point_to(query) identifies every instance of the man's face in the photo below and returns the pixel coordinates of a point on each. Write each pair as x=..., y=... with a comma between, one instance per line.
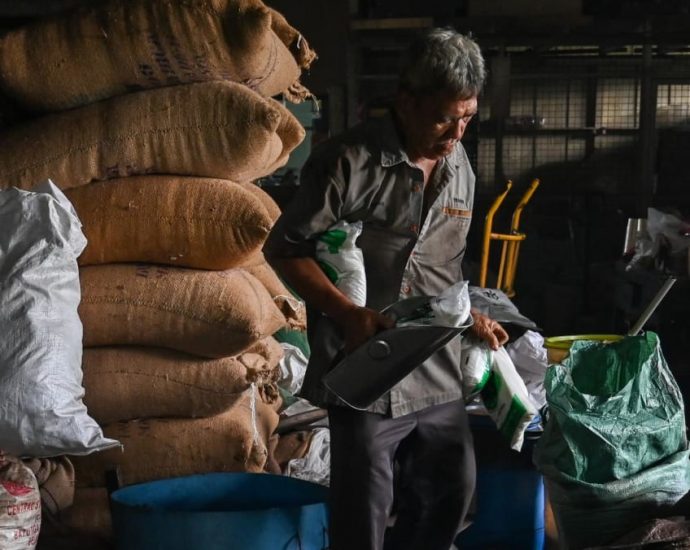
x=434, y=123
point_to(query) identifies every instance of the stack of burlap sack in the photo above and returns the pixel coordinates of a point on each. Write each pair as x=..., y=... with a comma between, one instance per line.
x=161, y=118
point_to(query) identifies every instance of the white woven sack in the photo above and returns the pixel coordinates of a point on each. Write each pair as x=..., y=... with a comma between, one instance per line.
x=20, y=506
x=41, y=409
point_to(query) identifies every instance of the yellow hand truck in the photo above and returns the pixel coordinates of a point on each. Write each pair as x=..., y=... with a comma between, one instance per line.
x=511, y=241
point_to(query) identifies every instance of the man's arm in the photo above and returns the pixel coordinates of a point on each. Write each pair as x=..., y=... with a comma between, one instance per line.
x=357, y=324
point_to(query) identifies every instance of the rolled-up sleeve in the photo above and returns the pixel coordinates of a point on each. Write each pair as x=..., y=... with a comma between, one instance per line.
x=316, y=206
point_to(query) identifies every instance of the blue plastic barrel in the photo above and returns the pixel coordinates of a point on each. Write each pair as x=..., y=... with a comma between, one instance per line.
x=235, y=511
x=510, y=494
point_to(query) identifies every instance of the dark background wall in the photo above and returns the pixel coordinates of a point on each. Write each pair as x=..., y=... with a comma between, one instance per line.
x=325, y=23
x=593, y=98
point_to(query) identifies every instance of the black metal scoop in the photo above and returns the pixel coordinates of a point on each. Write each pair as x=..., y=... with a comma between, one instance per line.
x=363, y=376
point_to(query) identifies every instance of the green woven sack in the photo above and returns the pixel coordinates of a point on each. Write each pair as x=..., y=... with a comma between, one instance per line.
x=614, y=449
x=614, y=410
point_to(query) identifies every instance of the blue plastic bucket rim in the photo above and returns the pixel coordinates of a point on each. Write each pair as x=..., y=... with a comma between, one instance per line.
x=138, y=496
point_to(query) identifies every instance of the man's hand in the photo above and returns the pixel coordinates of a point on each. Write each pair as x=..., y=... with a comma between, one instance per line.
x=488, y=330
x=358, y=324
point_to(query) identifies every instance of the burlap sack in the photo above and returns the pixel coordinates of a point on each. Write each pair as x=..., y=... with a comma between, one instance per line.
x=206, y=313
x=122, y=46
x=271, y=466
x=292, y=38
x=55, y=477
x=291, y=446
x=213, y=129
x=126, y=383
x=191, y=222
x=270, y=205
x=299, y=48
x=235, y=441
x=292, y=308
x=271, y=350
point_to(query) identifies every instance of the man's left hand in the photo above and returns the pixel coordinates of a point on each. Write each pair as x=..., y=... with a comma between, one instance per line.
x=488, y=330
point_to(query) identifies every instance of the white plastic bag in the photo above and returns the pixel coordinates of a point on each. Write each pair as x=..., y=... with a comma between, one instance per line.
x=663, y=225
x=496, y=305
x=293, y=367
x=507, y=401
x=475, y=365
x=20, y=506
x=529, y=357
x=41, y=343
x=316, y=464
x=342, y=261
x=451, y=308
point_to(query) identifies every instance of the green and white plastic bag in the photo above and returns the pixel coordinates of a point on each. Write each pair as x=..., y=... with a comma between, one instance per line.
x=450, y=308
x=507, y=401
x=342, y=261
x=475, y=365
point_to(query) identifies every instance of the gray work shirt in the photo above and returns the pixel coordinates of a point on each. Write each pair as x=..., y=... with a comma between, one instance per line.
x=410, y=248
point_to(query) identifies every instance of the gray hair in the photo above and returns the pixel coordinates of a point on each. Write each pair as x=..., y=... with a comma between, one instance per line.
x=443, y=59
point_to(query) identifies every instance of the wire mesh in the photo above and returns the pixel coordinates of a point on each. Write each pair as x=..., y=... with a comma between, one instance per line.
x=565, y=113
x=673, y=125
x=618, y=103
x=672, y=105
x=572, y=111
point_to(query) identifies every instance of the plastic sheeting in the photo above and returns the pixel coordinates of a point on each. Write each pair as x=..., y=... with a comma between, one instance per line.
x=316, y=464
x=293, y=367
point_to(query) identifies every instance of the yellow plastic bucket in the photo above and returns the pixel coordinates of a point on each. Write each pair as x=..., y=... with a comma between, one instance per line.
x=558, y=347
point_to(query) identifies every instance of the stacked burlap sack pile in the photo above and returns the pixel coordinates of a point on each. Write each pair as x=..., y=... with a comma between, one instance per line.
x=161, y=118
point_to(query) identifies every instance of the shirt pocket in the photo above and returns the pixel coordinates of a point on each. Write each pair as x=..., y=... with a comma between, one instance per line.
x=385, y=255
x=445, y=236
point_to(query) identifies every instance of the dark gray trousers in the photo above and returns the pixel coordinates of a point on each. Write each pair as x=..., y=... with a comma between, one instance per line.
x=434, y=485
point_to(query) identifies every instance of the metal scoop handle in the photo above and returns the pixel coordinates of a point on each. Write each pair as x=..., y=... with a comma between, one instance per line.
x=647, y=313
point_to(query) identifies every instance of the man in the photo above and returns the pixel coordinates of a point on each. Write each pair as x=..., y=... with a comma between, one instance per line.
x=407, y=177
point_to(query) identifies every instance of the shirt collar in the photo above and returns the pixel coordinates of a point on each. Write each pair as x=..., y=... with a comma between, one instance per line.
x=392, y=151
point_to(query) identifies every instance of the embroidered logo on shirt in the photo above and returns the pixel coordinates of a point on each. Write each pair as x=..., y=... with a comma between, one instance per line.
x=456, y=212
